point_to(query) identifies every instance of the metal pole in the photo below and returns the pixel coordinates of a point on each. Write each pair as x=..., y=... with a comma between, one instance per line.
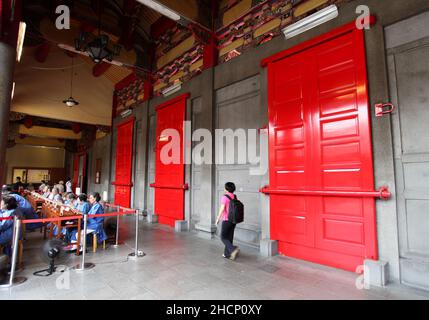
x=15, y=239
x=84, y=265
x=117, y=229
x=137, y=253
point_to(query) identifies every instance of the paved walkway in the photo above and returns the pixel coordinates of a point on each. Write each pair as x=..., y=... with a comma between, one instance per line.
x=184, y=266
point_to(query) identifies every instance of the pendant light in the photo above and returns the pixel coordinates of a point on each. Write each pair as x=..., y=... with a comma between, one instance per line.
x=71, y=102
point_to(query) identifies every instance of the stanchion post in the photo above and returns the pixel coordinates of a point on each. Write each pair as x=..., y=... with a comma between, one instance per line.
x=15, y=239
x=137, y=253
x=84, y=265
x=117, y=228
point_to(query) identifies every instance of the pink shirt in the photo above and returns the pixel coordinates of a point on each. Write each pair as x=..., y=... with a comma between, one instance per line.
x=226, y=201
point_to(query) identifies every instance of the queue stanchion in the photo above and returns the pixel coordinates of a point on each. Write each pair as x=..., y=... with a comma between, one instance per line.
x=137, y=253
x=13, y=281
x=117, y=228
x=84, y=265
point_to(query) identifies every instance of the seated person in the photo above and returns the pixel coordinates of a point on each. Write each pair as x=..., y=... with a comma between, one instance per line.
x=24, y=206
x=46, y=192
x=82, y=205
x=42, y=186
x=70, y=199
x=95, y=225
x=8, y=208
x=55, y=195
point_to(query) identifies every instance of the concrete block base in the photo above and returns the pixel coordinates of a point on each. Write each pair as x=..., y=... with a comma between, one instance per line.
x=376, y=273
x=181, y=226
x=205, y=231
x=269, y=248
x=152, y=218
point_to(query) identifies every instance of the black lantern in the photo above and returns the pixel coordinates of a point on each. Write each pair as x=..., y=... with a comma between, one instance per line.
x=97, y=49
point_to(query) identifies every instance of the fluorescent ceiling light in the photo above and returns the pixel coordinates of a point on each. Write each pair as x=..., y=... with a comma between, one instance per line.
x=170, y=90
x=161, y=9
x=20, y=43
x=311, y=21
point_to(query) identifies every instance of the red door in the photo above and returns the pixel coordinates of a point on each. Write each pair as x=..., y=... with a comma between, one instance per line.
x=170, y=175
x=79, y=172
x=124, y=158
x=320, y=147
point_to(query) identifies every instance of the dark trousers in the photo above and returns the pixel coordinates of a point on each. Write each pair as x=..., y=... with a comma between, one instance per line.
x=227, y=237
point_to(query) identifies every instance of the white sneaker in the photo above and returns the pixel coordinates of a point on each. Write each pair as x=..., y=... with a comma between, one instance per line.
x=234, y=254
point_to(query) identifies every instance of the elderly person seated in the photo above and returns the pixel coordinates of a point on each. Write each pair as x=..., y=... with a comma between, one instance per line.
x=46, y=192
x=42, y=186
x=70, y=199
x=55, y=195
x=95, y=224
x=8, y=209
x=24, y=206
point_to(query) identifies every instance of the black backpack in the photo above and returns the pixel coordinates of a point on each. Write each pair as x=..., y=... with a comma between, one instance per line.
x=235, y=210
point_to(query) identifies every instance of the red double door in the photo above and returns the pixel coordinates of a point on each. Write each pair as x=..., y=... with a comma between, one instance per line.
x=124, y=161
x=169, y=173
x=320, y=144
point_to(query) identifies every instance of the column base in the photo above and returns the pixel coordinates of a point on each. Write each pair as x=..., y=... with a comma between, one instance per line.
x=268, y=248
x=376, y=273
x=181, y=226
x=206, y=231
x=152, y=218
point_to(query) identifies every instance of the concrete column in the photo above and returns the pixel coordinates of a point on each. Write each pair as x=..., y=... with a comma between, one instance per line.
x=206, y=226
x=7, y=64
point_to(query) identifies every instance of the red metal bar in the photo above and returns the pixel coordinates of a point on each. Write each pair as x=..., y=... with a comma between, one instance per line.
x=182, y=187
x=382, y=193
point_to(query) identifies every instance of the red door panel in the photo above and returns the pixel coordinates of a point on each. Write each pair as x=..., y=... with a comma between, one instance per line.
x=79, y=172
x=124, y=155
x=320, y=139
x=170, y=177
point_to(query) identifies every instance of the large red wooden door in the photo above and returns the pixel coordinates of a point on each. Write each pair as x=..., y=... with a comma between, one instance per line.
x=170, y=175
x=79, y=172
x=124, y=161
x=321, y=152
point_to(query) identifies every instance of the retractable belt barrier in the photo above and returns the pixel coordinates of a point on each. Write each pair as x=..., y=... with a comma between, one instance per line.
x=83, y=266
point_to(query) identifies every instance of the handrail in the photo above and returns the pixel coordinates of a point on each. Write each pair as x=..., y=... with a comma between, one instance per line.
x=178, y=187
x=383, y=193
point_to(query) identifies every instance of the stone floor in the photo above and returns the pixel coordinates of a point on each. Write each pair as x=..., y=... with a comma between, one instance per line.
x=185, y=266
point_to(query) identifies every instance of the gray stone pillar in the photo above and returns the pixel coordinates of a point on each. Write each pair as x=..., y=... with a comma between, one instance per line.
x=7, y=64
x=206, y=226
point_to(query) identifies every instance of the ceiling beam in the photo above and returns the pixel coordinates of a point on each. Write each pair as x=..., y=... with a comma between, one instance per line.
x=46, y=132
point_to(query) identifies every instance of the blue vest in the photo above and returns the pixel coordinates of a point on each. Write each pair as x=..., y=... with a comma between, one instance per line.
x=22, y=202
x=6, y=227
x=97, y=223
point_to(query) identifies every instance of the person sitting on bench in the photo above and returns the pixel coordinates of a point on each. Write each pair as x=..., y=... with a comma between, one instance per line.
x=25, y=207
x=8, y=209
x=95, y=225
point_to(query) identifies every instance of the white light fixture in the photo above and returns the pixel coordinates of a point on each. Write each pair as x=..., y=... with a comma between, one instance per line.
x=105, y=196
x=126, y=113
x=71, y=102
x=311, y=21
x=13, y=91
x=172, y=89
x=20, y=43
x=161, y=9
